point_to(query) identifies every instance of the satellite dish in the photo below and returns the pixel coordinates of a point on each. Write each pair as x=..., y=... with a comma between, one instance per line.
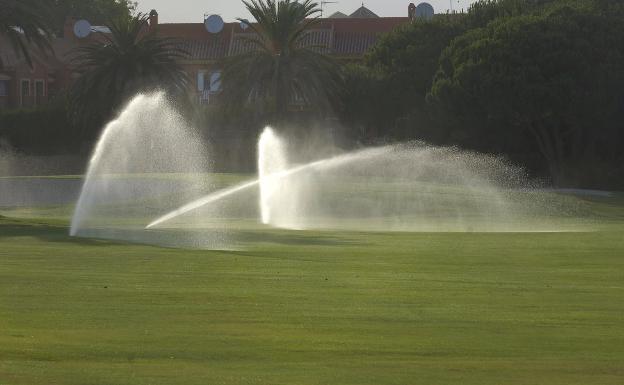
x=82, y=29
x=214, y=24
x=424, y=11
x=244, y=25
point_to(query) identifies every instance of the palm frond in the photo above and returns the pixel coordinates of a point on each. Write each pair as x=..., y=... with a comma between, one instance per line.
x=280, y=63
x=25, y=23
x=130, y=59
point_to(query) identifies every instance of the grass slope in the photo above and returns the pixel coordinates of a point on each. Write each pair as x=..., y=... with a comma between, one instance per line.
x=312, y=308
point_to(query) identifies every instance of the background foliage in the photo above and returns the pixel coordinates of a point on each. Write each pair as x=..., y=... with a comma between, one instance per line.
x=539, y=81
x=42, y=131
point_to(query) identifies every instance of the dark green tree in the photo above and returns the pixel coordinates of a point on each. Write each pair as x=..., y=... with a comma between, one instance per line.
x=388, y=92
x=556, y=76
x=115, y=67
x=482, y=12
x=281, y=65
x=25, y=24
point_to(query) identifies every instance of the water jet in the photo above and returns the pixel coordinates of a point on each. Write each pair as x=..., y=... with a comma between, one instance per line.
x=401, y=187
x=146, y=160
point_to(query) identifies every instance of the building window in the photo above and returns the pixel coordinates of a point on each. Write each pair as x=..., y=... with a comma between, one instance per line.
x=25, y=93
x=202, y=88
x=39, y=92
x=208, y=83
x=200, y=81
x=4, y=88
x=39, y=88
x=215, y=82
x=25, y=88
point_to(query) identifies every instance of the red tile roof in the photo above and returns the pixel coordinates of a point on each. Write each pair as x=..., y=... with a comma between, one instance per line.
x=208, y=49
x=353, y=43
x=10, y=58
x=343, y=37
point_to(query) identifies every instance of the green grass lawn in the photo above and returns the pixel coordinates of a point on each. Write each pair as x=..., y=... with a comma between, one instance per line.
x=312, y=308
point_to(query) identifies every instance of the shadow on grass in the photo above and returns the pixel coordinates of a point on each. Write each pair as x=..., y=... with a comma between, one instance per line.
x=12, y=228
x=192, y=240
x=293, y=238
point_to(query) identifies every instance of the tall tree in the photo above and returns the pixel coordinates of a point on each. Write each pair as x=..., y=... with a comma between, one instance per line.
x=281, y=64
x=555, y=76
x=115, y=66
x=481, y=12
x=391, y=85
x=25, y=23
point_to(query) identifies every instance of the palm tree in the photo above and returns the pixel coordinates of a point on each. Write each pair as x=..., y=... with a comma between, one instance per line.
x=130, y=59
x=25, y=22
x=280, y=63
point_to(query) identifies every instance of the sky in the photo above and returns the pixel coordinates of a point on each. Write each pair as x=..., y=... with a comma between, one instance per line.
x=192, y=11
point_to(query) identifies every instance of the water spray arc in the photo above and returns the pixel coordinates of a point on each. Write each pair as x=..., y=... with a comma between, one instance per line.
x=267, y=183
x=402, y=187
x=146, y=159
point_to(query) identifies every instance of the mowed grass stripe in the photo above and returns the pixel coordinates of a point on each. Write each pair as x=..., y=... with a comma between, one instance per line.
x=313, y=308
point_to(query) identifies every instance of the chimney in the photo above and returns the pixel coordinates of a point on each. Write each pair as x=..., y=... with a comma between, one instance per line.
x=411, y=12
x=153, y=19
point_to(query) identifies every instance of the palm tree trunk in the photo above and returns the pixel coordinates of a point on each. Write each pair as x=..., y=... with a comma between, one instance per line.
x=280, y=107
